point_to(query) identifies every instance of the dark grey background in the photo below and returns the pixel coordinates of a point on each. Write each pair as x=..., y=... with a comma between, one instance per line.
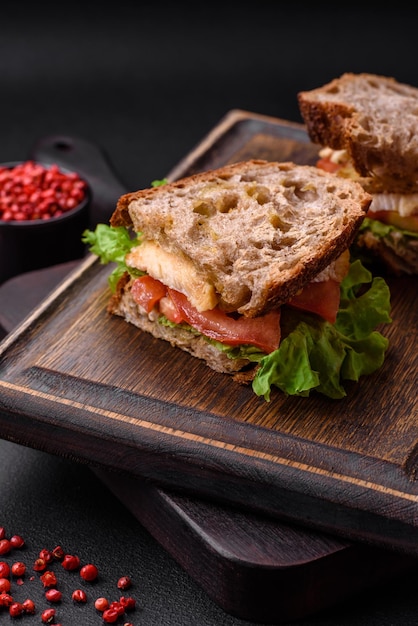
x=146, y=82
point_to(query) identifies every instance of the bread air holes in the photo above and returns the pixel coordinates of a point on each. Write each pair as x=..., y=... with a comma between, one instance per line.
x=343, y=195
x=303, y=191
x=223, y=204
x=278, y=222
x=260, y=194
x=204, y=208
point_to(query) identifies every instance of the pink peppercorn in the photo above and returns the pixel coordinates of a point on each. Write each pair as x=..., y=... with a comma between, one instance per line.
x=124, y=582
x=110, y=616
x=79, y=595
x=48, y=616
x=53, y=595
x=101, y=604
x=5, y=546
x=49, y=579
x=6, y=599
x=89, y=572
x=30, y=191
x=58, y=553
x=18, y=568
x=29, y=606
x=15, y=609
x=118, y=607
x=70, y=562
x=16, y=541
x=46, y=555
x=4, y=569
x=39, y=565
x=128, y=603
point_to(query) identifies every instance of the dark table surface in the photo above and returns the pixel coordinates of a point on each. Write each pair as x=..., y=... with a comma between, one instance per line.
x=146, y=84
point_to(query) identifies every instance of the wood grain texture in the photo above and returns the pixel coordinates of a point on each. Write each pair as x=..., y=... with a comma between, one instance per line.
x=254, y=567
x=78, y=382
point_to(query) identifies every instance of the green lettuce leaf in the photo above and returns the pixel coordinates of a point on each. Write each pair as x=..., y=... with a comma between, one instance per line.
x=379, y=229
x=111, y=244
x=318, y=355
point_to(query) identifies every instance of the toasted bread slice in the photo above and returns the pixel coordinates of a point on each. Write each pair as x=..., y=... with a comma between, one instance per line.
x=374, y=118
x=255, y=232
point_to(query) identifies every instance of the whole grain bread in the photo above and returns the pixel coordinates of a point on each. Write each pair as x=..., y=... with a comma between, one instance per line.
x=374, y=118
x=258, y=231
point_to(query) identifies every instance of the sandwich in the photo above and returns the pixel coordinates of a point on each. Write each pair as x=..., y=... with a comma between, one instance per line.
x=367, y=127
x=247, y=268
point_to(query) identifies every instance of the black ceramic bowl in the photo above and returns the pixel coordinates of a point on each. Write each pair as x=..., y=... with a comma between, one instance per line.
x=30, y=244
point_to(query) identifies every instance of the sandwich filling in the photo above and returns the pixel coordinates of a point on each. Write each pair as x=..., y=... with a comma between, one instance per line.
x=383, y=205
x=323, y=335
x=391, y=225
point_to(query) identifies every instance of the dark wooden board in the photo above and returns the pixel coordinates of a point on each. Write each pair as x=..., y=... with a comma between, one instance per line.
x=254, y=567
x=77, y=382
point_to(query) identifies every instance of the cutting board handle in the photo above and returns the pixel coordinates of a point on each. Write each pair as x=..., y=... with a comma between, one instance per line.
x=91, y=163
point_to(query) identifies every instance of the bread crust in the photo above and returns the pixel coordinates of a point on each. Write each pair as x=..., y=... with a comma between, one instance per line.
x=374, y=118
x=258, y=230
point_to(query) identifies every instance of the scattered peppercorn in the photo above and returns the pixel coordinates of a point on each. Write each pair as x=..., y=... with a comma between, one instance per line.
x=58, y=553
x=18, y=568
x=117, y=606
x=101, y=604
x=39, y=565
x=128, y=603
x=6, y=599
x=4, y=569
x=29, y=606
x=16, y=541
x=79, y=595
x=49, y=579
x=110, y=611
x=110, y=616
x=15, y=609
x=48, y=616
x=89, y=572
x=53, y=595
x=46, y=555
x=5, y=546
x=70, y=562
x=124, y=582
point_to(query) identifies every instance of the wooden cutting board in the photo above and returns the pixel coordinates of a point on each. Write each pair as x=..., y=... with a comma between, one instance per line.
x=253, y=566
x=118, y=398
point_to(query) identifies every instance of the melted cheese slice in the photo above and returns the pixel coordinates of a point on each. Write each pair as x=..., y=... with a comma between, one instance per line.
x=175, y=272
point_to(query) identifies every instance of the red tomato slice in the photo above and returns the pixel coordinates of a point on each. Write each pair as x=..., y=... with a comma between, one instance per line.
x=262, y=332
x=328, y=165
x=321, y=298
x=169, y=309
x=147, y=291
